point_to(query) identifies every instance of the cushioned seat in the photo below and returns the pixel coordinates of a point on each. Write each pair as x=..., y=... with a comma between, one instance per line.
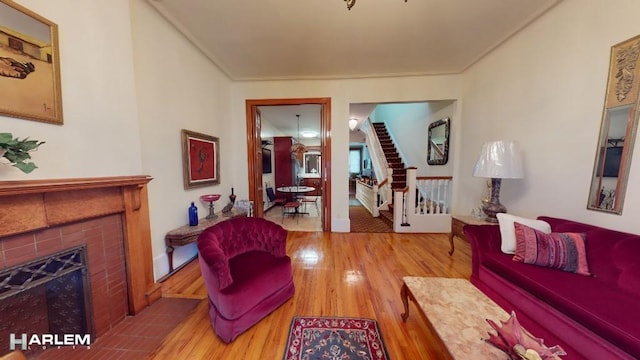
x=246, y=272
x=595, y=315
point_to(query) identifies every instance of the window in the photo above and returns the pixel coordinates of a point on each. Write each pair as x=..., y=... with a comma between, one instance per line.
x=355, y=161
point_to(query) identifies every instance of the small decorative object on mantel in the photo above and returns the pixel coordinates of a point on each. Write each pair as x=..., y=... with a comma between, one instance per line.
x=211, y=198
x=519, y=344
x=232, y=200
x=17, y=151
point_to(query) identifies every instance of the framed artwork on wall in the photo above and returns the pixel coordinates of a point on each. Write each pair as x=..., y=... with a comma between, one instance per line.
x=29, y=65
x=200, y=159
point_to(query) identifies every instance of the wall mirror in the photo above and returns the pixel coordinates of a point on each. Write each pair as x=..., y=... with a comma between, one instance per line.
x=617, y=130
x=311, y=164
x=438, y=142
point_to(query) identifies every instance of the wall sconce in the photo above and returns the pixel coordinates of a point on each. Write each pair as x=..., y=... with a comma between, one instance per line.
x=353, y=123
x=498, y=160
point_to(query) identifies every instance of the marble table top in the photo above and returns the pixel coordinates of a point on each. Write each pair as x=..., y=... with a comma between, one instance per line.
x=457, y=311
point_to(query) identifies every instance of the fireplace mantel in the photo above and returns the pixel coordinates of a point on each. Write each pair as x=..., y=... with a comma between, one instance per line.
x=38, y=204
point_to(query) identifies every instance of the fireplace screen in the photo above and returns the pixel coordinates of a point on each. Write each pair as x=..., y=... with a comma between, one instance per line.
x=50, y=295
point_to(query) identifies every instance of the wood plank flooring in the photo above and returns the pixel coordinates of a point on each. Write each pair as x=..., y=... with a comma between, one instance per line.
x=336, y=274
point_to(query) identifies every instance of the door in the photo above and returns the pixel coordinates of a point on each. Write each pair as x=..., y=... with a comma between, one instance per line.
x=254, y=151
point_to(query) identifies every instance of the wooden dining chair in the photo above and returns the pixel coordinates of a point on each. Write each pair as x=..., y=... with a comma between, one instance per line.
x=290, y=208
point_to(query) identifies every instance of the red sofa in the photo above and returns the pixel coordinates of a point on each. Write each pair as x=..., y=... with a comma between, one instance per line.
x=246, y=271
x=591, y=317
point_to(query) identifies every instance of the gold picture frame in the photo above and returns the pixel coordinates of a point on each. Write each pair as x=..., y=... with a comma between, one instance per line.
x=200, y=159
x=29, y=65
x=618, y=128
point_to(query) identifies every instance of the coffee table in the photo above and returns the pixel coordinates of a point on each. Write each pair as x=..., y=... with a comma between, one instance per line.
x=455, y=312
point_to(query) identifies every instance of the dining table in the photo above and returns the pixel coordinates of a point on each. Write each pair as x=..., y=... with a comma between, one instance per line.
x=294, y=190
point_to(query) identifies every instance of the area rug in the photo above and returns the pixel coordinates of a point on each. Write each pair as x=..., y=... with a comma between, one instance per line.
x=334, y=338
x=362, y=221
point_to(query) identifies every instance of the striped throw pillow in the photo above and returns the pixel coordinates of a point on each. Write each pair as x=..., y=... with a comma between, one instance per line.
x=564, y=251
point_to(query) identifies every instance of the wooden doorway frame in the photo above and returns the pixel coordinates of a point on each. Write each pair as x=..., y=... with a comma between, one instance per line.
x=254, y=151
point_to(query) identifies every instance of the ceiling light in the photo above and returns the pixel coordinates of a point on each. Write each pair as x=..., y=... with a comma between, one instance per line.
x=297, y=148
x=309, y=134
x=350, y=3
x=353, y=123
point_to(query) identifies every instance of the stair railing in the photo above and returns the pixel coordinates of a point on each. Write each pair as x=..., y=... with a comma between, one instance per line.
x=367, y=194
x=378, y=160
x=381, y=168
x=425, y=204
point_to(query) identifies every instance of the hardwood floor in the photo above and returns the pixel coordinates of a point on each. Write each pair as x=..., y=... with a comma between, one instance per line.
x=336, y=274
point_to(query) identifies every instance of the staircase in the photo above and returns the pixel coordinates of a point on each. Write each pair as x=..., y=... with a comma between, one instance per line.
x=392, y=156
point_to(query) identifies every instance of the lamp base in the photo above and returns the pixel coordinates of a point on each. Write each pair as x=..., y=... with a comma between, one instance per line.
x=494, y=207
x=491, y=210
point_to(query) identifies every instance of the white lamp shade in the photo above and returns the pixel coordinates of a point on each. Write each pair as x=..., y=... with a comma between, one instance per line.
x=353, y=123
x=500, y=160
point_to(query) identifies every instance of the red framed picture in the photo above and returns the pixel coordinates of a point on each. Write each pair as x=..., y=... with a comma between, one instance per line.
x=200, y=159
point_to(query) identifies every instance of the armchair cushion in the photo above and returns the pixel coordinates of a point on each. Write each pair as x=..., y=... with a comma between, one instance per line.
x=251, y=283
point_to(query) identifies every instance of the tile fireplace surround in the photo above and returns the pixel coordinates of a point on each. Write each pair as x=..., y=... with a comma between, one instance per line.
x=109, y=214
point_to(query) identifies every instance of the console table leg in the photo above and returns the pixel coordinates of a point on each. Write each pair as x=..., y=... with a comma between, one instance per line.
x=170, y=256
x=452, y=249
x=404, y=295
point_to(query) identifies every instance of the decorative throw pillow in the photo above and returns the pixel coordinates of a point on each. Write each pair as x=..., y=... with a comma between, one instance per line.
x=564, y=251
x=508, y=233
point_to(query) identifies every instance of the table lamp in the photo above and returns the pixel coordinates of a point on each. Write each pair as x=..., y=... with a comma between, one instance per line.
x=498, y=160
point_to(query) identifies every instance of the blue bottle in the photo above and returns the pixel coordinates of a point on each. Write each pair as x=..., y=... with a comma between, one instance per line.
x=193, y=215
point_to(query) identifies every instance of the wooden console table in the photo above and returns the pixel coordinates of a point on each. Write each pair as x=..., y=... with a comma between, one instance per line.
x=457, y=226
x=187, y=234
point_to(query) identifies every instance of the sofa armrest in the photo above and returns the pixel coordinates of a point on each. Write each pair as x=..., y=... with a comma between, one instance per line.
x=483, y=239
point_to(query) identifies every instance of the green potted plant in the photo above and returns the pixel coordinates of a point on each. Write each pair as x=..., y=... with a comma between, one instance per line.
x=17, y=151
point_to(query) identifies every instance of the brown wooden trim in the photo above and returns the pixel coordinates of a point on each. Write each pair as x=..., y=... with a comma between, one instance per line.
x=383, y=182
x=50, y=185
x=36, y=204
x=254, y=151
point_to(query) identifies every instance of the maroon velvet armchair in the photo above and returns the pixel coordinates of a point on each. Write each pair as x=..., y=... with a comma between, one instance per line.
x=246, y=271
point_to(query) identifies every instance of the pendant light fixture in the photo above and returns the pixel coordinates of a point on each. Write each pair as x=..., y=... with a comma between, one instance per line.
x=350, y=3
x=297, y=148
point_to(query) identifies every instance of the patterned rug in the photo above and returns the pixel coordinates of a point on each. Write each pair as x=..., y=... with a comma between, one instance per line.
x=334, y=338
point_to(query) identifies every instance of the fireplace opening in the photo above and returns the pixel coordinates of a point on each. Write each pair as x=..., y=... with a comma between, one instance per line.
x=46, y=299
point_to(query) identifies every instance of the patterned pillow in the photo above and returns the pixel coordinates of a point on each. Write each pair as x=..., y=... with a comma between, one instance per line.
x=564, y=251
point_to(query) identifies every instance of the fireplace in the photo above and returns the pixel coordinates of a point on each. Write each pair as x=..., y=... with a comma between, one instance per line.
x=49, y=295
x=107, y=217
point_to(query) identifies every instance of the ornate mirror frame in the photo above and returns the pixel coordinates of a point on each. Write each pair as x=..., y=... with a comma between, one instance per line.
x=617, y=130
x=438, y=142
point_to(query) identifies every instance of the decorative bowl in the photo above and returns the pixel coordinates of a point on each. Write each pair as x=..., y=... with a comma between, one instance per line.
x=210, y=197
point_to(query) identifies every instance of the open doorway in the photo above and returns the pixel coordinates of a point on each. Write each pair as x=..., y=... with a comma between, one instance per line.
x=255, y=152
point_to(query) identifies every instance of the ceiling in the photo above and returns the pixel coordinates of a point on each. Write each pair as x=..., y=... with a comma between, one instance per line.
x=282, y=121
x=321, y=39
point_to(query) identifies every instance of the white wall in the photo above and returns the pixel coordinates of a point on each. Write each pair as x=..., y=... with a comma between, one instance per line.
x=545, y=88
x=100, y=135
x=408, y=125
x=124, y=110
x=438, y=113
x=178, y=88
x=342, y=93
